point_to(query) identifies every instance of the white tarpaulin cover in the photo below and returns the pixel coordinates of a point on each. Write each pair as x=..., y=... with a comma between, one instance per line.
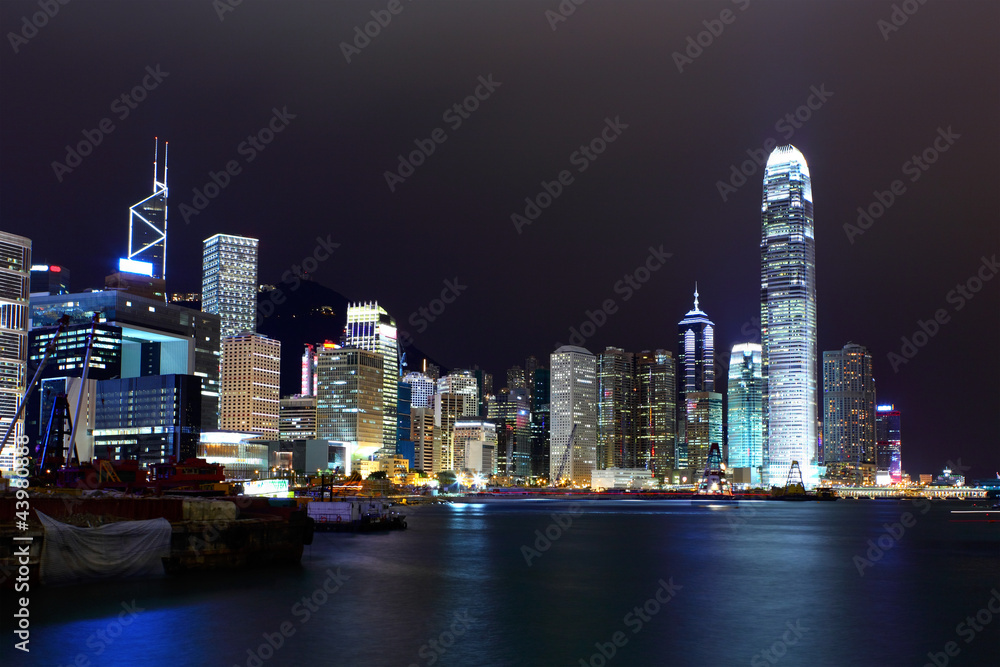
x=114, y=550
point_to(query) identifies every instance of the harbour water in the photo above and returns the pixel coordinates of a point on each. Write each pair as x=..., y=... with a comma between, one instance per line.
x=546, y=582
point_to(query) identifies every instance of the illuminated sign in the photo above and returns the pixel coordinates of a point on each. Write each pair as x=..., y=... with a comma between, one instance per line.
x=386, y=331
x=39, y=267
x=885, y=408
x=264, y=487
x=135, y=266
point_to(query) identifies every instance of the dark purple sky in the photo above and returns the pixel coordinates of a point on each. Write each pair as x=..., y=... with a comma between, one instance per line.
x=886, y=95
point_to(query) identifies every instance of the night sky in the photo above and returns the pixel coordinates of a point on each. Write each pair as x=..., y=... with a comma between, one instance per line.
x=880, y=95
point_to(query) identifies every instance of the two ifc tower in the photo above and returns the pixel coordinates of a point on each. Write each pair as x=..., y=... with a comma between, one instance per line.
x=787, y=308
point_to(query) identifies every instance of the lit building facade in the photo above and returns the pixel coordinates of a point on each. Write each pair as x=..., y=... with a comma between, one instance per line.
x=426, y=448
x=540, y=423
x=888, y=442
x=848, y=406
x=745, y=435
x=369, y=327
x=297, y=418
x=251, y=389
x=421, y=389
x=470, y=434
x=573, y=403
x=696, y=374
x=307, y=386
x=229, y=282
x=49, y=279
x=704, y=426
x=656, y=414
x=788, y=317
x=512, y=414
x=349, y=399
x=448, y=408
x=147, y=221
x=617, y=442
x=15, y=276
x=462, y=382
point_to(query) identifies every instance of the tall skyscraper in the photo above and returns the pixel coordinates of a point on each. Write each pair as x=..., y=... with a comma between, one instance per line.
x=421, y=389
x=369, y=327
x=617, y=444
x=229, y=282
x=746, y=417
x=515, y=378
x=15, y=277
x=349, y=400
x=696, y=375
x=530, y=366
x=147, y=221
x=462, y=382
x=49, y=279
x=573, y=403
x=540, y=422
x=788, y=317
x=849, y=406
x=656, y=415
x=888, y=442
x=426, y=444
x=447, y=409
x=251, y=389
x=512, y=414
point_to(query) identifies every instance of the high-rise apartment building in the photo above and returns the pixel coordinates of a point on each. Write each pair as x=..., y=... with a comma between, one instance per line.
x=349, y=400
x=746, y=418
x=617, y=441
x=369, y=327
x=15, y=277
x=788, y=317
x=573, y=411
x=251, y=389
x=229, y=282
x=656, y=413
x=848, y=406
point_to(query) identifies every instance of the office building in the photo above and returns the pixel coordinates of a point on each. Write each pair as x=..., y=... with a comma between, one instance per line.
x=848, y=406
x=15, y=268
x=617, y=441
x=515, y=378
x=448, y=408
x=307, y=386
x=745, y=437
x=888, y=442
x=349, y=400
x=696, y=374
x=656, y=414
x=297, y=418
x=426, y=445
x=49, y=279
x=147, y=223
x=512, y=415
x=470, y=437
x=573, y=412
x=462, y=382
x=369, y=327
x=421, y=389
x=251, y=388
x=788, y=317
x=229, y=282
x=540, y=423
x=704, y=426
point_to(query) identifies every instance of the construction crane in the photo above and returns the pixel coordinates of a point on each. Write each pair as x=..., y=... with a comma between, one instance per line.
x=565, y=456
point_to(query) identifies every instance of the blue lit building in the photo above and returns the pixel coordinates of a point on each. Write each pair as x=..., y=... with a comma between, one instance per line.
x=745, y=420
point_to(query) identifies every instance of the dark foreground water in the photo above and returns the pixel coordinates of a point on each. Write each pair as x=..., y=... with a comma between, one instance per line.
x=644, y=582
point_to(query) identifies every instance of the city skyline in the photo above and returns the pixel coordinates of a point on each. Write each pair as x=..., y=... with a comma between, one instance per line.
x=884, y=273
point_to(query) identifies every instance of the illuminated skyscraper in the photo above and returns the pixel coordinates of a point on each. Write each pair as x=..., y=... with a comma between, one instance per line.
x=573, y=403
x=746, y=417
x=656, y=414
x=369, y=327
x=15, y=276
x=696, y=374
x=251, y=391
x=888, y=442
x=229, y=282
x=147, y=221
x=308, y=371
x=848, y=406
x=512, y=415
x=421, y=389
x=349, y=400
x=462, y=382
x=617, y=444
x=448, y=408
x=788, y=317
x=540, y=420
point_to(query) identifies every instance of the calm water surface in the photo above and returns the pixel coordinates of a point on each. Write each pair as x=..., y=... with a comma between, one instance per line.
x=762, y=583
